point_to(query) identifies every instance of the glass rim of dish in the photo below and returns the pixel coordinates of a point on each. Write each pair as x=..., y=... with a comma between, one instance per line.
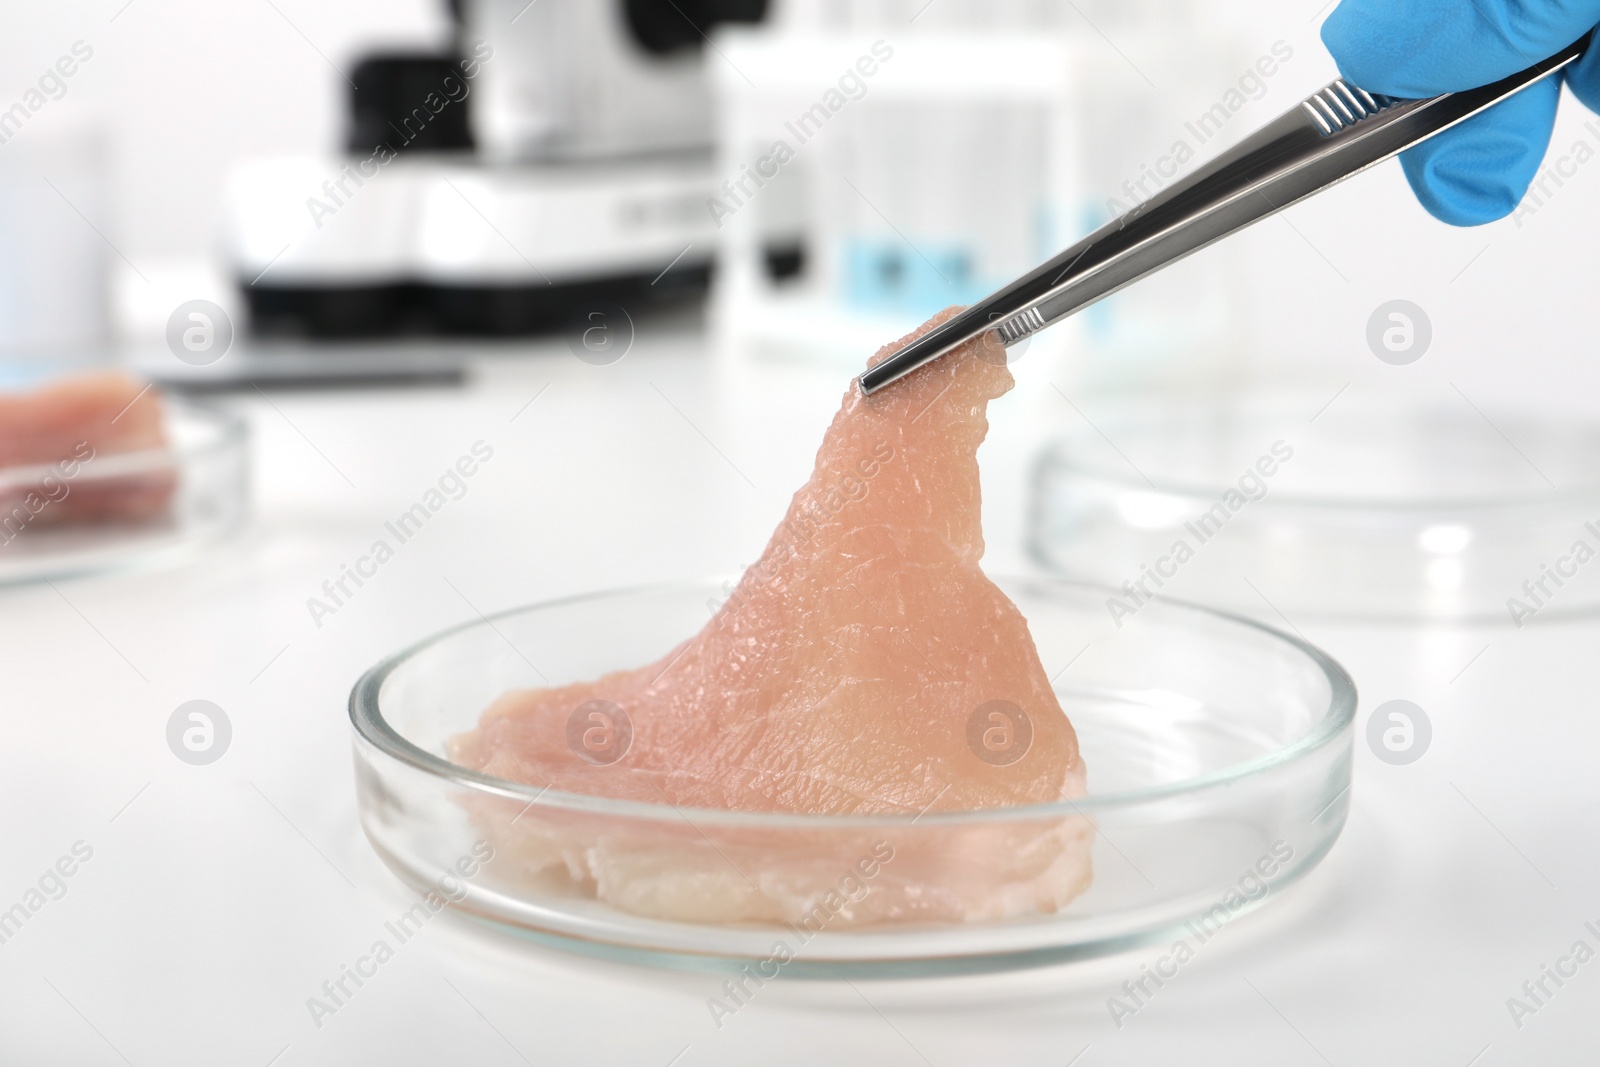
x=224, y=429
x=367, y=718
x=1496, y=502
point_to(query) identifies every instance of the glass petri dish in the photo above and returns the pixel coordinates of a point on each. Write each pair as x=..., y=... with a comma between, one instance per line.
x=188, y=494
x=1219, y=757
x=1266, y=506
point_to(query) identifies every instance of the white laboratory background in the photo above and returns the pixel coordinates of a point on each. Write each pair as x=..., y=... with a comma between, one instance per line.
x=219, y=899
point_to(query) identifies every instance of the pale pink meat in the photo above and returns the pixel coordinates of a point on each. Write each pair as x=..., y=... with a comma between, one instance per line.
x=50, y=440
x=840, y=677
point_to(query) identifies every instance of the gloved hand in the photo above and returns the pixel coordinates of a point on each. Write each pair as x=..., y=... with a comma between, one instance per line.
x=1479, y=170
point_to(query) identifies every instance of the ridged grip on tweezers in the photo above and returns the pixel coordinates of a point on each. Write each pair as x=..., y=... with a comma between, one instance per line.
x=1019, y=326
x=1332, y=135
x=1339, y=106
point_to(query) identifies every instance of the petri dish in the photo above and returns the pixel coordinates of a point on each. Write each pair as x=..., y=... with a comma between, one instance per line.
x=1218, y=754
x=1360, y=510
x=200, y=483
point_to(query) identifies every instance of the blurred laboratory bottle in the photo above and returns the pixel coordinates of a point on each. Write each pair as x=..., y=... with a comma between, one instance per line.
x=54, y=234
x=911, y=15
x=947, y=183
x=982, y=137
x=915, y=15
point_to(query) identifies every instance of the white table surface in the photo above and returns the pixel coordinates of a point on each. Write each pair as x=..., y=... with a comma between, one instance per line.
x=219, y=898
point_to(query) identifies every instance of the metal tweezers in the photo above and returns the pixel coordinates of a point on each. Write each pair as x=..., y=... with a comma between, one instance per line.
x=1334, y=134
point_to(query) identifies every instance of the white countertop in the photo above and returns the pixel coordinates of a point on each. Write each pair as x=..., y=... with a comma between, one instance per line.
x=218, y=898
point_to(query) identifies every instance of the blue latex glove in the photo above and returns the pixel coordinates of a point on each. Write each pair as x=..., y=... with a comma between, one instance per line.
x=1478, y=171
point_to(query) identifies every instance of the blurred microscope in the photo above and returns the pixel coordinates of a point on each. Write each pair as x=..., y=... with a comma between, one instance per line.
x=844, y=168
x=563, y=152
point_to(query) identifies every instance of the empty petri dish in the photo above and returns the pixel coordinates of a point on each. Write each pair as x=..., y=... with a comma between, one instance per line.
x=1273, y=507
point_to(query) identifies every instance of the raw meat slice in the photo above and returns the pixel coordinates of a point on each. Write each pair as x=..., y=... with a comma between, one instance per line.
x=842, y=676
x=110, y=411
x=51, y=439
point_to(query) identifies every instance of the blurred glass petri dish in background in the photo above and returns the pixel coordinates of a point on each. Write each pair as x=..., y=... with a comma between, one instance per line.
x=201, y=477
x=1218, y=754
x=1283, y=506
